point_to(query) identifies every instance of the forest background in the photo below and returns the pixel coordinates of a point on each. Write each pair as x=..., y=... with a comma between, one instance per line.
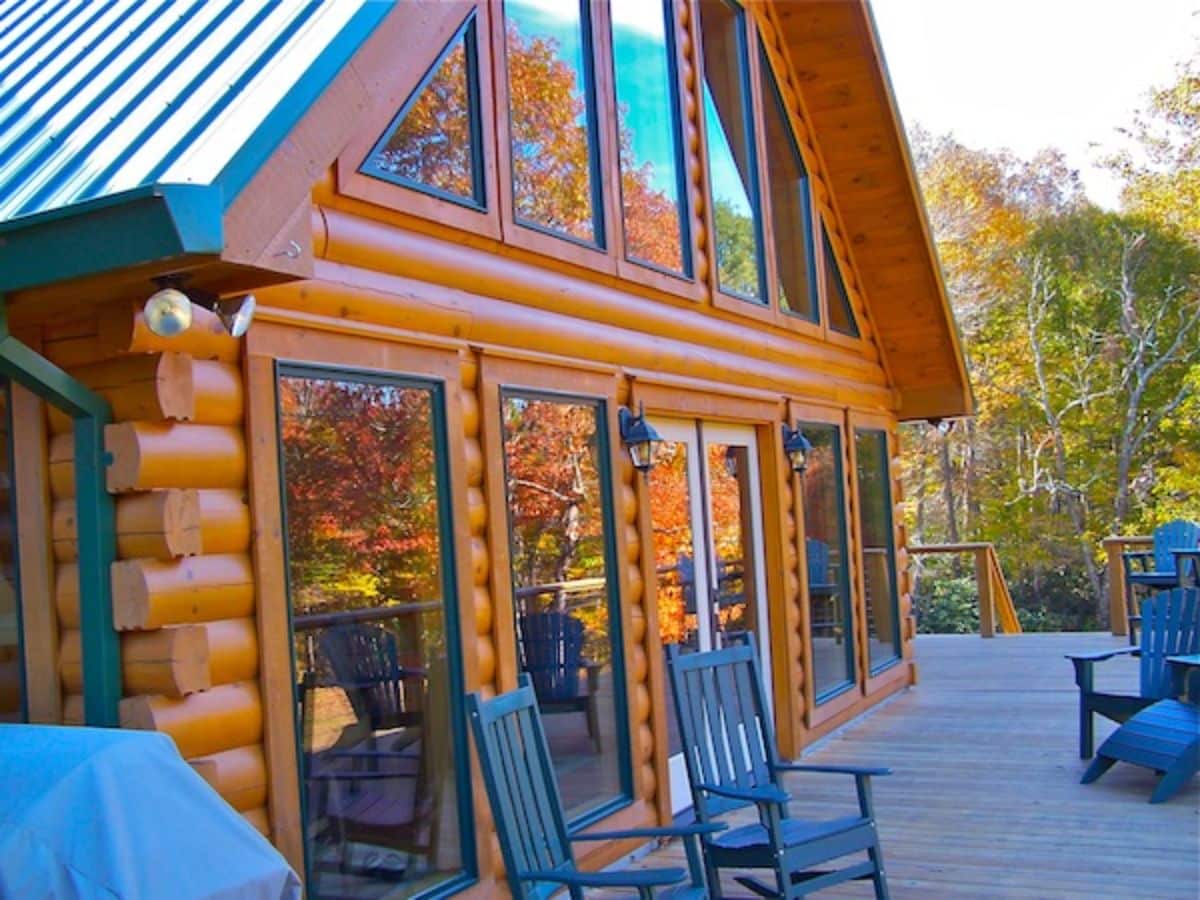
x=1081, y=330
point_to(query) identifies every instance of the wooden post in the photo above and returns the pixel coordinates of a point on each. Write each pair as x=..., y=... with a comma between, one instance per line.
x=983, y=582
x=1118, y=612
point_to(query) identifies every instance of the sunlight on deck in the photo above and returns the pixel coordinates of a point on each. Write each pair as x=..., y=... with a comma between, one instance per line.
x=985, y=799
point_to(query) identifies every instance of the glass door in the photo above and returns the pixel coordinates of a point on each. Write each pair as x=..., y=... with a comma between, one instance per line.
x=707, y=520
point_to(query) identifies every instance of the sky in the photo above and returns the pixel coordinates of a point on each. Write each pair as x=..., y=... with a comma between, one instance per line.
x=1027, y=74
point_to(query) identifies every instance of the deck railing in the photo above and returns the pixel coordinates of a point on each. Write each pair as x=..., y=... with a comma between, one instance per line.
x=995, y=600
x=1114, y=546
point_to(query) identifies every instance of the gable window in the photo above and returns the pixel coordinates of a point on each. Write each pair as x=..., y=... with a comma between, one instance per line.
x=652, y=190
x=435, y=144
x=841, y=315
x=791, y=217
x=731, y=158
x=552, y=113
x=382, y=753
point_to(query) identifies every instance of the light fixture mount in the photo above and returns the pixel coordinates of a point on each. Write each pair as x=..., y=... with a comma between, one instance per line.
x=797, y=447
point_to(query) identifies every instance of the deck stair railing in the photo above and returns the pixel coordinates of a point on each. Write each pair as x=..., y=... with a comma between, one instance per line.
x=995, y=600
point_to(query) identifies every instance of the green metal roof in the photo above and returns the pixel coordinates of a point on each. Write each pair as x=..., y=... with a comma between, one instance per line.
x=170, y=106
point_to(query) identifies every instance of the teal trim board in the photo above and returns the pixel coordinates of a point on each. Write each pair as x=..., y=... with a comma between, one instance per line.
x=95, y=518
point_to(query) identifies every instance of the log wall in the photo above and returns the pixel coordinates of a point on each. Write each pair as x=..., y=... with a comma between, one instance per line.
x=183, y=583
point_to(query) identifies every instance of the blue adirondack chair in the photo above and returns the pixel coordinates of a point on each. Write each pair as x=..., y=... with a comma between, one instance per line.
x=534, y=839
x=1170, y=627
x=1166, y=565
x=819, y=582
x=552, y=654
x=729, y=748
x=365, y=663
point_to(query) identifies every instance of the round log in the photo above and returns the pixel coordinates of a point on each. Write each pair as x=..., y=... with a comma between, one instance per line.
x=62, y=466
x=72, y=710
x=260, y=820
x=206, y=339
x=224, y=521
x=485, y=655
x=232, y=650
x=220, y=397
x=238, y=775
x=160, y=455
x=649, y=781
x=476, y=511
x=159, y=524
x=152, y=388
x=223, y=718
x=170, y=661
x=66, y=594
x=482, y=601
x=150, y=593
x=645, y=738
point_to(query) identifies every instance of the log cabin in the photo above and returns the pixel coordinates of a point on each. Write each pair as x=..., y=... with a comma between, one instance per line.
x=484, y=243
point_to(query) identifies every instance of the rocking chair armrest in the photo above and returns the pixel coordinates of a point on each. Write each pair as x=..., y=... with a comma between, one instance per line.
x=761, y=794
x=1100, y=656
x=840, y=770
x=634, y=878
x=358, y=776
x=666, y=831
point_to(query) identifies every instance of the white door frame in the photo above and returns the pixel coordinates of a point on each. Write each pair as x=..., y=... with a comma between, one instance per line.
x=696, y=440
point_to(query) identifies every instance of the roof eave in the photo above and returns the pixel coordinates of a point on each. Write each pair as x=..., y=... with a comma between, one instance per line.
x=135, y=227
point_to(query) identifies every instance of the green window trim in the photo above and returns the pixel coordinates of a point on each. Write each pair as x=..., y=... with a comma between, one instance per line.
x=467, y=33
x=612, y=590
x=450, y=606
x=95, y=517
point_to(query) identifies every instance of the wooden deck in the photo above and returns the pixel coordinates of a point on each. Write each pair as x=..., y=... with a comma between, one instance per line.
x=985, y=799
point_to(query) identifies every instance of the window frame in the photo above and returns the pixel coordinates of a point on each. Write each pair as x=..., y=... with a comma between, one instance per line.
x=452, y=627
x=763, y=311
x=529, y=236
x=648, y=274
x=825, y=237
x=612, y=591
x=835, y=703
x=25, y=667
x=468, y=33
x=891, y=669
x=411, y=198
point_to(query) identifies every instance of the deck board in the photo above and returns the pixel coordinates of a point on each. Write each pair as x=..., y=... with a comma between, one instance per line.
x=985, y=799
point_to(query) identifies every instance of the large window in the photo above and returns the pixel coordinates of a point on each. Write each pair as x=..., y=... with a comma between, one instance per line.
x=652, y=191
x=382, y=751
x=841, y=315
x=878, y=548
x=435, y=142
x=731, y=159
x=790, y=214
x=12, y=676
x=566, y=612
x=552, y=118
x=826, y=550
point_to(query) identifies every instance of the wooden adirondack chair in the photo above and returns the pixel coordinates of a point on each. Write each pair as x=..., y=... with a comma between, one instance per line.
x=535, y=842
x=1170, y=627
x=552, y=654
x=729, y=747
x=1164, y=566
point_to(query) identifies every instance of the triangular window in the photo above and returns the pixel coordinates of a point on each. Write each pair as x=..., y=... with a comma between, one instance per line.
x=841, y=316
x=434, y=143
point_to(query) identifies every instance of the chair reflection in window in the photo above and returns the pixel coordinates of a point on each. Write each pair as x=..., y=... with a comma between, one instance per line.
x=551, y=646
x=823, y=591
x=376, y=737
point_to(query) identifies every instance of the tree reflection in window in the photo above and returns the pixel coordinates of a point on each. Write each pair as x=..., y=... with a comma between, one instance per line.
x=552, y=118
x=648, y=120
x=878, y=546
x=841, y=316
x=377, y=669
x=435, y=141
x=567, y=633
x=731, y=159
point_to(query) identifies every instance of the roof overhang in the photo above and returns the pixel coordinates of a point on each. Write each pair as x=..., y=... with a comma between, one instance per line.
x=133, y=228
x=842, y=80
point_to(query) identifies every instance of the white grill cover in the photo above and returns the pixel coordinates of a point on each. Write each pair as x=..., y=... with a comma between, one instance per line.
x=91, y=812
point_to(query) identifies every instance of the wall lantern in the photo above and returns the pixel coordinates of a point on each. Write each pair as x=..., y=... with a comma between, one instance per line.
x=640, y=437
x=168, y=311
x=797, y=447
x=944, y=426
